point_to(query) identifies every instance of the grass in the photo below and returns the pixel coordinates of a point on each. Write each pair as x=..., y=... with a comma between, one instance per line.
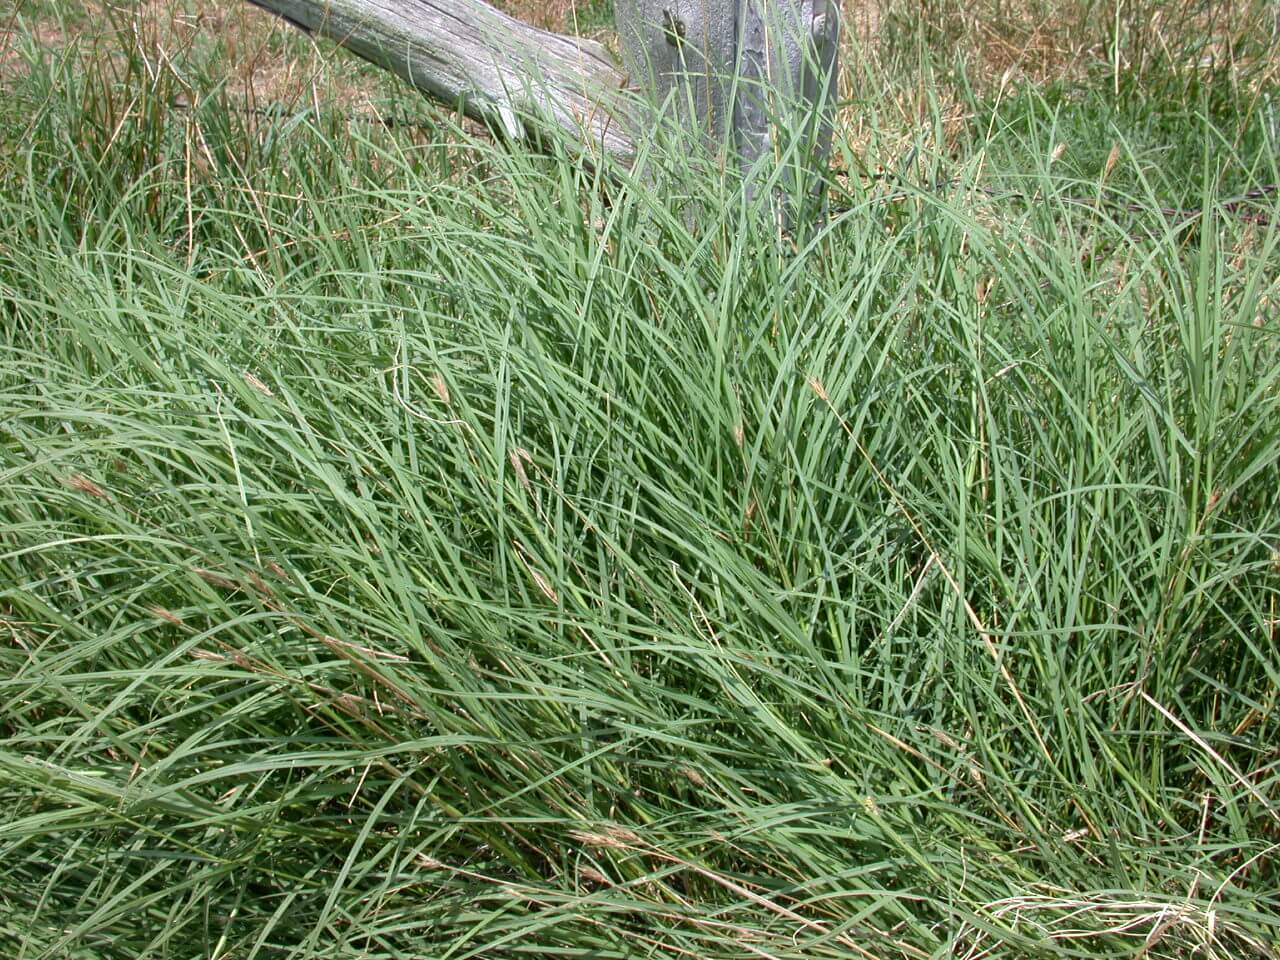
x=414, y=548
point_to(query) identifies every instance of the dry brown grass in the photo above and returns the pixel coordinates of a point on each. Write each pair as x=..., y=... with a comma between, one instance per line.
x=46, y=31
x=265, y=60
x=1039, y=41
x=1004, y=44
x=1030, y=40
x=549, y=14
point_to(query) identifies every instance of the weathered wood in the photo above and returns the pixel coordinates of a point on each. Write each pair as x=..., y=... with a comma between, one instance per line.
x=502, y=71
x=684, y=54
x=742, y=71
x=753, y=76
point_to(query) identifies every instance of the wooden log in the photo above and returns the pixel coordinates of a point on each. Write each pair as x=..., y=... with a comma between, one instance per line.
x=755, y=76
x=517, y=78
x=684, y=54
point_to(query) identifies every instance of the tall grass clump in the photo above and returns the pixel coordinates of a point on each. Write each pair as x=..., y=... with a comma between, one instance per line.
x=414, y=548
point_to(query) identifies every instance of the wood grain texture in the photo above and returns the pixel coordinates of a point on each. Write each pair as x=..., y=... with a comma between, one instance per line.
x=746, y=72
x=502, y=71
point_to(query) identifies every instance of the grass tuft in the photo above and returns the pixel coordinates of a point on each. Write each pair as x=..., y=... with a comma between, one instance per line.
x=413, y=547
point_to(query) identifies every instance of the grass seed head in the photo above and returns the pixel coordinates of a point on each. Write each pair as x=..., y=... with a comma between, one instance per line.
x=1112, y=159
x=85, y=485
x=215, y=579
x=441, y=388
x=613, y=837
x=546, y=588
x=257, y=384
x=518, y=457
x=165, y=614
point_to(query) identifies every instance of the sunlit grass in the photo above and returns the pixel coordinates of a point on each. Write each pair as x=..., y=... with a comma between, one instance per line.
x=412, y=548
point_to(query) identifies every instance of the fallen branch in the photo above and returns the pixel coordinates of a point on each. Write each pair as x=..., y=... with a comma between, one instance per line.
x=516, y=78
